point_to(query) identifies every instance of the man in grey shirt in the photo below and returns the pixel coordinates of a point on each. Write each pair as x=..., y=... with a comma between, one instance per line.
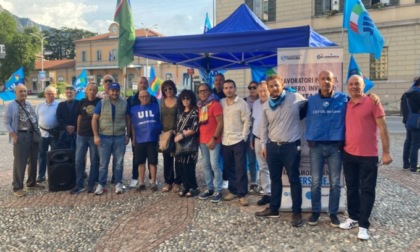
x=280, y=140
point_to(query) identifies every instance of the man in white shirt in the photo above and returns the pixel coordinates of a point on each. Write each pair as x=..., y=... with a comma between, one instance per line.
x=237, y=121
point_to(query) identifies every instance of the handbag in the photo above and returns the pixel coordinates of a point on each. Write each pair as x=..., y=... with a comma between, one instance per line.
x=36, y=133
x=166, y=141
x=187, y=146
x=413, y=119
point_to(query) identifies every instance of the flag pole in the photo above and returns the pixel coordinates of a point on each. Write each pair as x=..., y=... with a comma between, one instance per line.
x=125, y=81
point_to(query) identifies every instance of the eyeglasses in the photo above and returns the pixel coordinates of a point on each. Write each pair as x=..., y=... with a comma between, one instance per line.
x=252, y=87
x=143, y=96
x=108, y=81
x=203, y=91
x=167, y=89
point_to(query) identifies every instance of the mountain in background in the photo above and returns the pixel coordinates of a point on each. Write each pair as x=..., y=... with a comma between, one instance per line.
x=25, y=22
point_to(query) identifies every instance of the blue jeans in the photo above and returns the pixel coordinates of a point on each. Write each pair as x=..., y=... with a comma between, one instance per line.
x=360, y=174
x=45, y=143
x=287, y=156
x=212, y=169
x=82, y=145
x=114, y=145
x=332, y=154
x=411, y=148
x=252, y=163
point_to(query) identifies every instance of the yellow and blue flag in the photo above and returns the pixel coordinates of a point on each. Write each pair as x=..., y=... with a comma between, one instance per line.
x=8, y=93
x=354, y=69
x=363, y=35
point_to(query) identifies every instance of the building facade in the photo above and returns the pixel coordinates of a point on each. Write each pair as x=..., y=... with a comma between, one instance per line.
x=99, y=56
x=398, y=21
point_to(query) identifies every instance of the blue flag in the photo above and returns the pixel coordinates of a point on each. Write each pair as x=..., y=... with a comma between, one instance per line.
x=363, y=36
x=80, y=84
x=207, y=24
x=8, y=93
x=209, y=78
x=354, y=69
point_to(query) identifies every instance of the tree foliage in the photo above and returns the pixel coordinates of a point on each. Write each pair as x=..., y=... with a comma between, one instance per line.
x=20, y=48
x=61, y=42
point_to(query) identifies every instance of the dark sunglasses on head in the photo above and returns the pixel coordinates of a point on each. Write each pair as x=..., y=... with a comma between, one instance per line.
x=252, y=87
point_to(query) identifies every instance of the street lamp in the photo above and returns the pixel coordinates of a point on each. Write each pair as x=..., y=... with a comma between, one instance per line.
x=156, y=26
x=41, y=38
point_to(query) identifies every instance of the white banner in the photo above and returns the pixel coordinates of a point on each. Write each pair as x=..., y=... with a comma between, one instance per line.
x=299, y=68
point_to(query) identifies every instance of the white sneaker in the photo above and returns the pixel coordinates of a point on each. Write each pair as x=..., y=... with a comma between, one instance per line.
x=133, y=183
x=119, y=188
x=349, y=223
x=99, y=189
x=225, y=184
x=363, y=234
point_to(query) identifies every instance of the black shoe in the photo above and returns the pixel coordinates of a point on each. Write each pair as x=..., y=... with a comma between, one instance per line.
x=40, y=179
x=90, y=189
x=206, y=195
x=77, y=190
x=335, y=222
x=267, y=213
x=313, y=220
x=193, y=193
x=297, y=220
x=264, y=200
x=141, y=187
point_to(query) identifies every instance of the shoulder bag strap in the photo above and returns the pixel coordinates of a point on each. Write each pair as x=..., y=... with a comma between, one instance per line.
x=27, y=114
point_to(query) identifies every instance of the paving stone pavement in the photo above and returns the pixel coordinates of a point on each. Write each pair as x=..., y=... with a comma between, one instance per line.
x=133, y=221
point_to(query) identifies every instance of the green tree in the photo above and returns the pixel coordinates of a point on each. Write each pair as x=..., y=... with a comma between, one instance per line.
x=20, y=48
x=61, y=42
x=8, y=28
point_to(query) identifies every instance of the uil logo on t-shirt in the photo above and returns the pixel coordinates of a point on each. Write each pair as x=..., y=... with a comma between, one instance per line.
x=145, y=114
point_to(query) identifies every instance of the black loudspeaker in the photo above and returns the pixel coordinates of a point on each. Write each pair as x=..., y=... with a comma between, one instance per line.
x=61, y=170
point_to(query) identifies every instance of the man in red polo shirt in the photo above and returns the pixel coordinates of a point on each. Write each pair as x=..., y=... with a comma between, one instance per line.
x=360, y=159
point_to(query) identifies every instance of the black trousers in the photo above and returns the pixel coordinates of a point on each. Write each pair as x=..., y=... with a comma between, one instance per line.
x=189, y=179
x=170, y=174
x=360, y=174
x=234, y=166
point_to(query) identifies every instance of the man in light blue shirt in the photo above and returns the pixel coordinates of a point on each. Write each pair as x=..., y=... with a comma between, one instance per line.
x=48, y=124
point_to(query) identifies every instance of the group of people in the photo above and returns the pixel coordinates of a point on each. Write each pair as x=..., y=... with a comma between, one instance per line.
x=234, y=136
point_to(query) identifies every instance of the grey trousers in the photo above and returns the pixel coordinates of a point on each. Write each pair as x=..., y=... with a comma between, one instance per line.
x=264, y=171
x=25, y=153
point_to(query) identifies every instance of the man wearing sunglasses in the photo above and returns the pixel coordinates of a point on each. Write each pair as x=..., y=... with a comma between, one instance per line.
x=108, y=79
x=132, y=101
x=250, y=152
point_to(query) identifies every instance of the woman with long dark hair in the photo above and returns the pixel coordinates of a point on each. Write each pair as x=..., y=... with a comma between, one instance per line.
x=187, y=127
x=168, y=113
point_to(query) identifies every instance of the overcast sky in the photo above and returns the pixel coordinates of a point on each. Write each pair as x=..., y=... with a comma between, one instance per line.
x=174, y=17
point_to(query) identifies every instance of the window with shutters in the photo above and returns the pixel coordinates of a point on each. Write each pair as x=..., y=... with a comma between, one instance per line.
x=379, y=67
x=263, y=9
